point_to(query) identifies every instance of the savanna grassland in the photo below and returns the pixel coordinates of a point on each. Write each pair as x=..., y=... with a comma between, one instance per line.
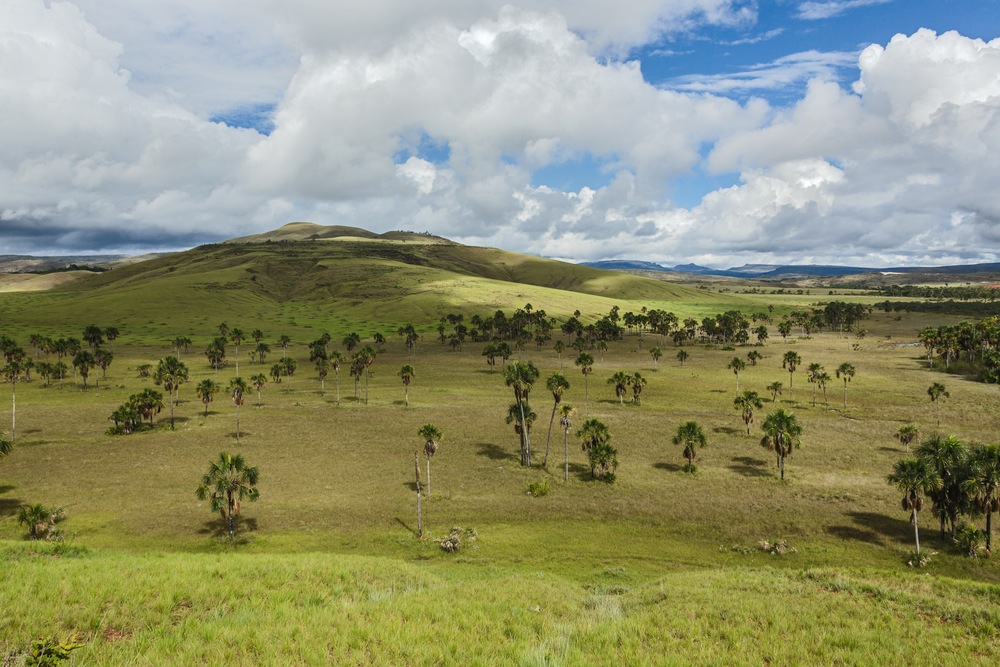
x=661, y=567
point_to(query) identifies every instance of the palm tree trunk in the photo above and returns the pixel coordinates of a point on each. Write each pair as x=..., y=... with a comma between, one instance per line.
x=845, y=394
x=548, y=440
x=171, y=399
x=232, y=523
x=782, y=458
x=428, y=477
x=916, y=531
x=525, y=445
x=237, y=422
x=337, y=375
x=566, y=447
x=420, y=516
x=13, y=410
x=406, y=400
x=989, y=532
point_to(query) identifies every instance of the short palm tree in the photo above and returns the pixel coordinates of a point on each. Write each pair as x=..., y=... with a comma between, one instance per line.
x=258, y=381
x=906, y=435
x=746, y=403
x=171, y=373
x=227, y=483
x=822, y=380
x=595, y=440
x=682, y=356
x=656, y=353
x=914, y=477
x=432, y=438
x=691, y=436
x=781, y=436
x=984, y=484
x=638, y=383
x=620, y=381
x=937, y=391
x=812, y=373
x=775, y=389
x=206, y=391
x=406, y=374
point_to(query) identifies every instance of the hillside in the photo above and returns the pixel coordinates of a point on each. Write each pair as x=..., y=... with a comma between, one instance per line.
x=317, y=273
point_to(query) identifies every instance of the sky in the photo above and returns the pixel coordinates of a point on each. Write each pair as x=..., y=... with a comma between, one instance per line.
x=719, y=132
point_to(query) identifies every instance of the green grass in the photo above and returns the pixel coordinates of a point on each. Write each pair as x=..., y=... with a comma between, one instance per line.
x=659, y=567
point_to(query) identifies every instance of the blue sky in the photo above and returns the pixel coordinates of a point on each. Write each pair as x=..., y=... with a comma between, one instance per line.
x=716, y=131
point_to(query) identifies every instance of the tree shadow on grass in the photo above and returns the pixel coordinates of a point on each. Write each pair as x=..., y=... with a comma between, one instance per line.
x=749, y=466
x=407, y=526
x=495, y=452
x=9, y=506
x=728, y=430
x=671, y=467
x=894, y=450
x=219, y=527
x=896, y=530
x=855, y=534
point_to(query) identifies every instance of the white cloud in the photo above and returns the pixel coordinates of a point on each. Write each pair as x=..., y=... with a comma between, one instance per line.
x=831, y=8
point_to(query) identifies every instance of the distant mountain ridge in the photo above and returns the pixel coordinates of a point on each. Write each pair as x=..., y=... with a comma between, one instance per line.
x=784, y=271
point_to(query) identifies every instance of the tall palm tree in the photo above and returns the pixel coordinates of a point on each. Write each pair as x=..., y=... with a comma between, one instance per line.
x=656, y=353
x=236, y=336
x=432, y=438
x=227, y=483
x=984, y=484
x=790, y=361
x=566, y=413
x=822, y=380
x=620, y=381
x=171, y=373
x=691, y=435
x=812, y=372
x=907, y=434
x=258, y=381
x=914, y=477
x=586, y=363
x=847, y=372
x=557, y=384
x=781, y=435
x=12, y=372
x=736, y=364
x=83, y=362
x=336, y=359
x=322, y=370
x=937, y=391
x=523, y=418
x=206, y=391
x=406, y=374
x=746, y=403
x=521, y=376
x=237, y=389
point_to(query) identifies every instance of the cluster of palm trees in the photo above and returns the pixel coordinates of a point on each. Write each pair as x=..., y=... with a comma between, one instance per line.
x=961, y=480
x=979, y=342
x=622, y=381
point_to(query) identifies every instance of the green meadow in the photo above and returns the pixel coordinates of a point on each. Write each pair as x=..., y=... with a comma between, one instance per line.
x=661, y=567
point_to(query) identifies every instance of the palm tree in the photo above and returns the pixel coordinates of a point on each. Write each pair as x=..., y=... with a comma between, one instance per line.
x=227, y=483
x=682, y=356
x=984, y=484
x=521, y=375
x=812, y=372
x=847, y=372
x=83, y=362
x=6, y=445
x=148, y=402
x=432, y=438
x=336, y=359
x=103, y=359
x=206, y=391
x=420, y=515
x=790, y=361
x=936, y=391
x=351, y=341
x=586, y=364
x=406, y=373
x=746, y=403
x=523, y=418
x=258, y=381
x=284, y=340
x=39, y=520
x=822, y=379
x=237, y=389
x=736, y=365
x=638, y=383
x=753, y=356
x=781, y=435
x=907, y=434
x=12, y=373
x=595, y=440
x=949, y=459
x=566, y=413
x=656, y=353
x=171, y=373
x=691, y=435
x=620, y=381
x=914, y=477
x=775, y=389
x=322, y=370
x=236, y=336
x=557, y=384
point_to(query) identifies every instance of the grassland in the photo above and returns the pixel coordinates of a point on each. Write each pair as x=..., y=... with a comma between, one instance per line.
x=661, y=567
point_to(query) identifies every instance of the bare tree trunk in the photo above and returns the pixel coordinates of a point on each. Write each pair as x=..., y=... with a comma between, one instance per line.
x=420, y=517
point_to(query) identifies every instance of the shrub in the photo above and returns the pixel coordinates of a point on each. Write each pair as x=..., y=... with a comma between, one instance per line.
x=41, y=521
x=453, y=541
x=970, y=541
x=539, y=489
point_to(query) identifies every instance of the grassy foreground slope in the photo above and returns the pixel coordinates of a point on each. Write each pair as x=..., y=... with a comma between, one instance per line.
x=660, y=567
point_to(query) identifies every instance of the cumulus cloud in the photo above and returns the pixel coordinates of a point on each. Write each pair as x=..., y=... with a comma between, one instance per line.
x=439, y=117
